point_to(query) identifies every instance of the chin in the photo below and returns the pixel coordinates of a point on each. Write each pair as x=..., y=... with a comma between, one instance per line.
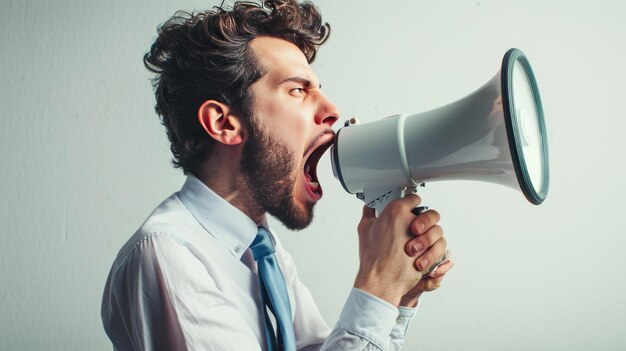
x=293, y=216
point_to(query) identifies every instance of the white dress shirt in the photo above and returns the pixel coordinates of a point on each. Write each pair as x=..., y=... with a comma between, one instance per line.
x=186, y=280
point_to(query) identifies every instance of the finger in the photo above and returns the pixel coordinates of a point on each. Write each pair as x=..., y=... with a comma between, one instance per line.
x=442, y=268
x=368, y=213
x=419, y=244
x=431, y=284
x=432, y=255
x=368, y=216
x=424, y=221
x=412, y=198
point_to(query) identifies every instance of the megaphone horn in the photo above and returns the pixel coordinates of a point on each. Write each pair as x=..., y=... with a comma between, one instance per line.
x=497, y=134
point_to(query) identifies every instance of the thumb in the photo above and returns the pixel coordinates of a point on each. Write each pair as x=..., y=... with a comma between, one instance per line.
x=368, y=213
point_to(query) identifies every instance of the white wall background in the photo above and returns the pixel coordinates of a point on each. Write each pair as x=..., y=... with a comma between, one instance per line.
x=84, y=160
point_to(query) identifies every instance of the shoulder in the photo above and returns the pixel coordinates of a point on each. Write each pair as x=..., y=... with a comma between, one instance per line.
x=168, y=228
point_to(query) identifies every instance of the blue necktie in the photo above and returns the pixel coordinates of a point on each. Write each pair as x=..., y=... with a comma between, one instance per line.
x=274, y=294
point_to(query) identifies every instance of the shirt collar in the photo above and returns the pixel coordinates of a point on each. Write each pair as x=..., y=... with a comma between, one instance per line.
x=221, y=219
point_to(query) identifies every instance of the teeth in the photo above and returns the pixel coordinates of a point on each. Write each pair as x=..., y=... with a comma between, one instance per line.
x=314, y=185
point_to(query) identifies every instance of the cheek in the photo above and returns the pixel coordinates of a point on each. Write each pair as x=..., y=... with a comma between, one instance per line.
x=290, y=126
x=294, y=137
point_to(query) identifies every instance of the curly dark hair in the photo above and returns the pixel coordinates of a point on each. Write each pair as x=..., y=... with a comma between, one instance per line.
x=206, y=56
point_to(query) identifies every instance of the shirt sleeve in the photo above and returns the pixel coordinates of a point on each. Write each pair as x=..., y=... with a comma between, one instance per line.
x=369, y=323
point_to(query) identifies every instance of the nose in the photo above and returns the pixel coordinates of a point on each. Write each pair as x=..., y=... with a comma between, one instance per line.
x=327, y=113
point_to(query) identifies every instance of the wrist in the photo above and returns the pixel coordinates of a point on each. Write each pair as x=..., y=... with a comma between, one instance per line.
x=379, y=289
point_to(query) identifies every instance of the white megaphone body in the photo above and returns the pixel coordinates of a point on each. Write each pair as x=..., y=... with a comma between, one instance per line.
x=496, y=134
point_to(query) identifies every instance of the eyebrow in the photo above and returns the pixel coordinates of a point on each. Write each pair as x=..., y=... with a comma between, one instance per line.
x=305, y=82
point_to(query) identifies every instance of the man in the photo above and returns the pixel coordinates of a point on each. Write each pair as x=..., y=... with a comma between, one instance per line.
x=248, y=123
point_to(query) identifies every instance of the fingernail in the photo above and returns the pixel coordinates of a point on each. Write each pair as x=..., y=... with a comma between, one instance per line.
x=415, y=249
x=423, y=264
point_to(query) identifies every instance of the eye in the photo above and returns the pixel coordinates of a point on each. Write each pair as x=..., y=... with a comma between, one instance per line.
x=297, y=91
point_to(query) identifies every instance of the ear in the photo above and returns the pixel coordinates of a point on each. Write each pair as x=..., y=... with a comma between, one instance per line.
x=218, y=122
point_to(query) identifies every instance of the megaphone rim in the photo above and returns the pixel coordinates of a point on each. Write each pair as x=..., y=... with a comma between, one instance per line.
x=533, y=195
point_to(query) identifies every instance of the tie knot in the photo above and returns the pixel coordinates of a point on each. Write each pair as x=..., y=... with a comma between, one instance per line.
x=262, y=244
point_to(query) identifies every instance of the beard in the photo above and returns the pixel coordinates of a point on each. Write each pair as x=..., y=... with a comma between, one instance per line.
x=268, y=166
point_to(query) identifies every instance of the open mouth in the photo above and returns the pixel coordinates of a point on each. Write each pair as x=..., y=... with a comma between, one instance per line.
x=310, y=169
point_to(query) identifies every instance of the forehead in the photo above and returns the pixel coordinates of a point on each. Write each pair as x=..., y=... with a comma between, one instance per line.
x=281, y=59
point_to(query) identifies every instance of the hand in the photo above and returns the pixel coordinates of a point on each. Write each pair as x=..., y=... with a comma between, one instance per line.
x=385, y=270
x=432, y=259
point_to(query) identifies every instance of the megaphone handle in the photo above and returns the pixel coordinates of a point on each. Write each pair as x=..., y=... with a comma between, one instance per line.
x=382, y=201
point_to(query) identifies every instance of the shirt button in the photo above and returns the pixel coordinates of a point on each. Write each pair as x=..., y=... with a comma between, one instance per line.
x=400, y=320
x=238, y=249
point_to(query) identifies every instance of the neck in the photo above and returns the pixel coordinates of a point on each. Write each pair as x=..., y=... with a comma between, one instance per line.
x=224, y=177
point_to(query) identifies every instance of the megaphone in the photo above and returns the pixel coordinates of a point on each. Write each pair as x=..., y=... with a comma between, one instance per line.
x=497, y=134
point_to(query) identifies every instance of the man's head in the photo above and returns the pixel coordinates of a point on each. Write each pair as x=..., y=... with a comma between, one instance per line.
x=240, y=80
x=207, y=56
